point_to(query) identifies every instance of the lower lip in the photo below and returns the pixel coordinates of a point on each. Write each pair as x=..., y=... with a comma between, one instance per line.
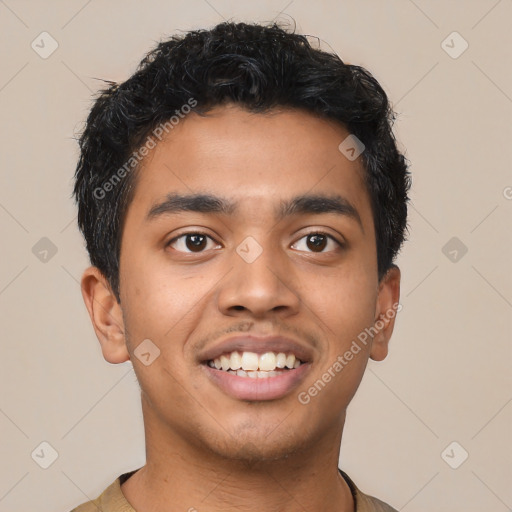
x=259, y=389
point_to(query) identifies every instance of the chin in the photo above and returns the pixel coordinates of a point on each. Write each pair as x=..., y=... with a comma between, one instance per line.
x=254, y=446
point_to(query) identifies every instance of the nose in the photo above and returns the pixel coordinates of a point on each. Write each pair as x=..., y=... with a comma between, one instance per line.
x=259, y=288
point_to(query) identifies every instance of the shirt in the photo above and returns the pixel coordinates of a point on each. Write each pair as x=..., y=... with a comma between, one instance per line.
x=112, y=499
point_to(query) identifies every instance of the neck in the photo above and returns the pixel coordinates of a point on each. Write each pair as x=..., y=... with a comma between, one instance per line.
x=192, y=478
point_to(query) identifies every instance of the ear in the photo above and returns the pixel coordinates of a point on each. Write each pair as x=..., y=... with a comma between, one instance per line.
x=106, y=315
x=385, y=312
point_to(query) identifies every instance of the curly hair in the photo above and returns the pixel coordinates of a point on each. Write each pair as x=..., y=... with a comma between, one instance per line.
x=259, y=68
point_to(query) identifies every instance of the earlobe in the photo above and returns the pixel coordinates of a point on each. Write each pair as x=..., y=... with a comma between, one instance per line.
x=385, y=313
x=106, y=315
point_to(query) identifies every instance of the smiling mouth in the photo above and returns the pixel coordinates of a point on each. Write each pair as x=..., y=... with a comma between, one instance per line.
x=255, y=366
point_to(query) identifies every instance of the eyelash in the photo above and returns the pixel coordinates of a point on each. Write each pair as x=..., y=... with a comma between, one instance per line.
x=316, y=232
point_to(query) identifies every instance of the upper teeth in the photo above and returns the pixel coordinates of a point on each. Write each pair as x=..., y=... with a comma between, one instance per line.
x=251, y=361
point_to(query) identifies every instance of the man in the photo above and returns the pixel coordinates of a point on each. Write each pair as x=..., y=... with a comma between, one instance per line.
x=243, y=200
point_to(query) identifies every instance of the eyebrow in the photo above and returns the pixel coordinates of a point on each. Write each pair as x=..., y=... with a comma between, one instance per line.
x=299, y=205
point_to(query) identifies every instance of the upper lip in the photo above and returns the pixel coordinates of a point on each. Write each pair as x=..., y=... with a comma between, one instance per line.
x=259, y=345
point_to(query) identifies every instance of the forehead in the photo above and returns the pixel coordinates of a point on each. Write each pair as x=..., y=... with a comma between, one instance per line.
x=254, y=159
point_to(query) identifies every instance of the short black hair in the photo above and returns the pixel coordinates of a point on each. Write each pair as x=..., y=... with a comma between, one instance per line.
x=260, y=68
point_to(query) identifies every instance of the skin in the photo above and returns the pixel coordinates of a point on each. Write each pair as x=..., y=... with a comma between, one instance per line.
x=205, y=449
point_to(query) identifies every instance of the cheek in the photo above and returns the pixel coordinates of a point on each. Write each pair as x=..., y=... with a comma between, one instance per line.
x=156, y=299
x=162, y=312
x=344, y=301
x=343, y=313
x=166, y=309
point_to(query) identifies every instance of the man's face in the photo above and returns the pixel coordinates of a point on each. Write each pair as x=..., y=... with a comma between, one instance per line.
x=309, y=276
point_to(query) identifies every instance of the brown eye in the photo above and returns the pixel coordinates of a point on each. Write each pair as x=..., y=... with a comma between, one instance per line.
x=191, y=242
x=317, y=242
x=195, y=243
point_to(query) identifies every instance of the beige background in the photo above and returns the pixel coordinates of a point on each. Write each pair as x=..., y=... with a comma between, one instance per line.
x=448, y=375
